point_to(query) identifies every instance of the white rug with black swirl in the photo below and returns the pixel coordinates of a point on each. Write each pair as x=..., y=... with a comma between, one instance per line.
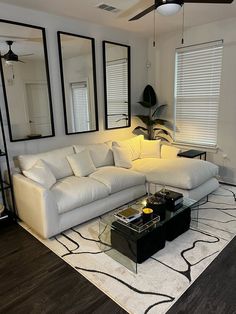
x=164, y=277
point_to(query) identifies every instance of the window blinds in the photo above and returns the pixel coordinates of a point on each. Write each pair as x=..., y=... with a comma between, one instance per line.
x=80, y=106
x=197, y=92
x=117, y=92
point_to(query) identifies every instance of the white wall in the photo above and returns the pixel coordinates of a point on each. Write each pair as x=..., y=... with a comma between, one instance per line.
x=53, y=24
x=161, y=75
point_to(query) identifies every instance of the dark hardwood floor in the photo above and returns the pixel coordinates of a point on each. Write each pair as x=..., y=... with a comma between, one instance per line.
x=34, y=280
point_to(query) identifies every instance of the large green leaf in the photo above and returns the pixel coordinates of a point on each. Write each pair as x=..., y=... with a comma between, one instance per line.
x=140, y=128
x=149, y=95
x=144, y=119
x=165, y=122
x=158, y=110
x=163, y=134
x=160, y=121
x=164, y=131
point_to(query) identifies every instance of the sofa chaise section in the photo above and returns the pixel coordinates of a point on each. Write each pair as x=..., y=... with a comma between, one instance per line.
x=194, y=178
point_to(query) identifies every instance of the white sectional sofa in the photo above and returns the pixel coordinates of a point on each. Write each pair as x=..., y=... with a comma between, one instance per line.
x=58, y=199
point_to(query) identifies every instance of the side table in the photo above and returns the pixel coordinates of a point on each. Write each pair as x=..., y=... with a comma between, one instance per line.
x=192, y=153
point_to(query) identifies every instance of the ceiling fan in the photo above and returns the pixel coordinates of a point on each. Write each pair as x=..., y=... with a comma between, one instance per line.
x=10, y=57
x=170, y=7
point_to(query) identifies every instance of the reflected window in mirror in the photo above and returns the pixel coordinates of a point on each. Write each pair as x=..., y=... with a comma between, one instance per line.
x=116, y=61
x=25, y=81
x=78, y=77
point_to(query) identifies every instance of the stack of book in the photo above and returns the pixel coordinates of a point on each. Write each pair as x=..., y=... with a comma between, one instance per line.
x=128, y=214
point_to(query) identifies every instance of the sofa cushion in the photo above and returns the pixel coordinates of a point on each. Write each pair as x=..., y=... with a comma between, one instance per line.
x=133, y=145
x=122, y=157
x=118, y=179
x=150, y=149
x=55, y=160
x=73, y=192
x=81, y=163
x=183, y=173
x=168, y=152
x=101, y=153
x=41, y=174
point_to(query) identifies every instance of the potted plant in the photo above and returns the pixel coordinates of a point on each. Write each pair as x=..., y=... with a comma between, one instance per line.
x=156, y=127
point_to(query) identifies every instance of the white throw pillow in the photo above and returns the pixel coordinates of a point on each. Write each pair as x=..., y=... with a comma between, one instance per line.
x=41, y=174
x=81, y=163
x=132, y=144
x=55, y=160
x=150, y=149
x=101, y=154
x=122, y=157
x=169, y=152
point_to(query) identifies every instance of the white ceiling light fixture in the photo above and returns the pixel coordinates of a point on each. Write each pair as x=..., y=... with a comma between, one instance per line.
x=169, y=7
x=10, y=57
x=10, y=62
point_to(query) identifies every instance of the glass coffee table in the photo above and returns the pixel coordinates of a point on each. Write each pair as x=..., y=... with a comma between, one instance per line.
x=132, y=243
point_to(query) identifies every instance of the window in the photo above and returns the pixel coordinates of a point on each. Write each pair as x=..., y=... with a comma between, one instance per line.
x=197, y=92
x=80, y=108
x=117, y=92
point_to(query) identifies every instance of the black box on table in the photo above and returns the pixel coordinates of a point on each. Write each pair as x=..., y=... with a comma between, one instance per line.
x=137, y=246
x=172, y=200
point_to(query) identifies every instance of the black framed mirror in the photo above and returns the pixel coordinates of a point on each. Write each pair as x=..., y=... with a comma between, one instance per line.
x=116, y=64
x=26, y=81
x=78, y=79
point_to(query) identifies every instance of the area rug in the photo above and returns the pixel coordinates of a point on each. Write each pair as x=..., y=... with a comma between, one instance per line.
x=164, y=277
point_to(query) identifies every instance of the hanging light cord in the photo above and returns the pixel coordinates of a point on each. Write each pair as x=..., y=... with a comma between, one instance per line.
x=182, y=41
x=154, y=29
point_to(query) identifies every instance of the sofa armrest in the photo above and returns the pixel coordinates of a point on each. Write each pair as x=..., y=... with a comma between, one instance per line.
x=169, y=152
x=36, y=206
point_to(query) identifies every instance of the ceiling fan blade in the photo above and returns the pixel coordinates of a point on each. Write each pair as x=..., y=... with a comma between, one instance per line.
x=26, y=55
x=141, y=5
x=16, y=38
x=209, y=1
x=146, y=11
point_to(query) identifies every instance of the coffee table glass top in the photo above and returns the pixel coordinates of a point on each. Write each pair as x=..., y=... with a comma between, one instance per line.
x=106, y=224
x=139, y=204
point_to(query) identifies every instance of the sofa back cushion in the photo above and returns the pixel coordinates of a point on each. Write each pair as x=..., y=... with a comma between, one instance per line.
x=150, y=149
x=81, y=163
x=133, y=145
x=41, y=174
x=101, y=154
x=169, y=152
x=55, y=159
x=122, y=157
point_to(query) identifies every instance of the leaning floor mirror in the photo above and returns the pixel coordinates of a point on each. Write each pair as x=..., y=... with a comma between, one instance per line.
x=25, y=81
x=78, y=78
x=116, y=62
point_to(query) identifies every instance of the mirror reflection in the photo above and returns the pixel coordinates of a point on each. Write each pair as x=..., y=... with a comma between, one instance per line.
x=77, y=61
x=116, y=59
x=25, y=78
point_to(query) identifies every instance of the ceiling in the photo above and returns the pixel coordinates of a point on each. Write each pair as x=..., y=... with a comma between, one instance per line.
x=195, y=14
